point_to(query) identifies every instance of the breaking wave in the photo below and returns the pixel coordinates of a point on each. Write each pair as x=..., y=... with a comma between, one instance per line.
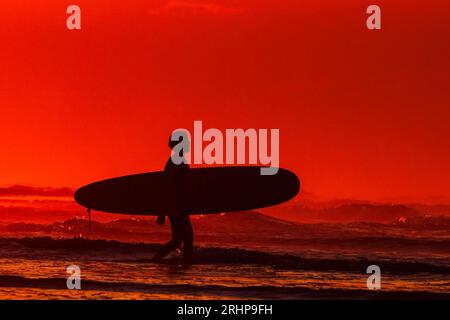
x=138, y=252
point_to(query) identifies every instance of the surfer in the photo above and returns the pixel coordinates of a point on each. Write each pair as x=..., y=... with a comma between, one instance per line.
x=180, y=221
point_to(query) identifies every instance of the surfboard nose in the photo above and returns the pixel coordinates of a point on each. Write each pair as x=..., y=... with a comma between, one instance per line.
x=290, y=184
x=295, y=183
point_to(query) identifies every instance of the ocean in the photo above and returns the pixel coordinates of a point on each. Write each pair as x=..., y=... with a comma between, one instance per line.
x=305, y=261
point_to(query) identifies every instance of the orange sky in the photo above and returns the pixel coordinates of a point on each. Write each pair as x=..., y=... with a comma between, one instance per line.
x=362, y=114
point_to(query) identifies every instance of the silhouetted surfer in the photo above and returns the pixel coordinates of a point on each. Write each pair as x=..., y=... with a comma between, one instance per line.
x=180, y=222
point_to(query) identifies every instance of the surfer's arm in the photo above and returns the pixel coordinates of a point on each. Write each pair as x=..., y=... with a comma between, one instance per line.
x=161, y=219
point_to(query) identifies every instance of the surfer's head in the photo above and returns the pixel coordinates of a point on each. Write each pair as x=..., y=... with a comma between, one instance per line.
x=173, y=143
x=181, y=138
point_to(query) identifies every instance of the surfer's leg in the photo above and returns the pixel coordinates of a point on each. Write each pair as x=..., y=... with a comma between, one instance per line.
x=173, y=244
x=188, y=239
x=166, y=249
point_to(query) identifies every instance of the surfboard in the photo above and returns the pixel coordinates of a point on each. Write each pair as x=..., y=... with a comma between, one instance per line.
x=208, y=191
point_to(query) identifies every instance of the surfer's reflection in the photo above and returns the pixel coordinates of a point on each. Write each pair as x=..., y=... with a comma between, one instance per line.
x=180, y=222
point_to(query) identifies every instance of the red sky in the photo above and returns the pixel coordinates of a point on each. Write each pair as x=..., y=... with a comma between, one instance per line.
x=362, y=114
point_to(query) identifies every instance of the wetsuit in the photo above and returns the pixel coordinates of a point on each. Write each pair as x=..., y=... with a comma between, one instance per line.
x=180, y=222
